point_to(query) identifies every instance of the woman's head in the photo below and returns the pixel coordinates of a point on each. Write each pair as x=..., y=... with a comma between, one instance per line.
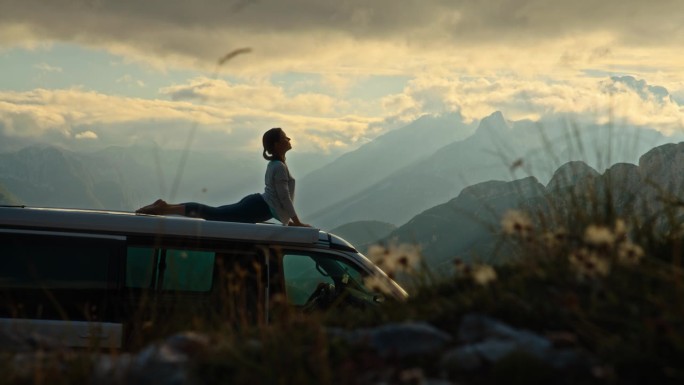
x=276, y=144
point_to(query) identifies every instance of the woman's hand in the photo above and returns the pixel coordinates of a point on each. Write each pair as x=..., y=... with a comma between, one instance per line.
x=296, y=222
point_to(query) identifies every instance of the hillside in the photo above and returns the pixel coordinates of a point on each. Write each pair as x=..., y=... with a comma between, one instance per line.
x=7, y=198
x=469, y=226
x=364, y=232
x=124, y=178
x=355, y=171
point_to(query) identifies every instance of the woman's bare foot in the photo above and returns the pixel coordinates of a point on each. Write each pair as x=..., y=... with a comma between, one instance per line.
x=154, y=208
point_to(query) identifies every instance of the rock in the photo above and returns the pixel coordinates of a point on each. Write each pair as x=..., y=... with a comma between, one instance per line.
x=475, y=328
x=20, y=342
x=488, y=341
x=161, y=364
x=400, y=340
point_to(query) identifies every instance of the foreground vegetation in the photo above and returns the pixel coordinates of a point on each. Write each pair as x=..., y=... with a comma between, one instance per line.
x=604, y=283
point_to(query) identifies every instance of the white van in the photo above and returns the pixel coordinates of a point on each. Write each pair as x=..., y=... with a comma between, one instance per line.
x=98, y=278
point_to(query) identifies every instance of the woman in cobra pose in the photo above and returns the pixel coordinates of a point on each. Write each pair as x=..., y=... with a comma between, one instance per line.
x=274, y=202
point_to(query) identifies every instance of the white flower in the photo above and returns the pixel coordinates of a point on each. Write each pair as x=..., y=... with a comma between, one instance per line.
x=629, y=254
x=588, y=263
x=620, y=229
x=483, y=274
x=554, y=239
x=516, y=222
x=395, y=257
x=599, y=236
x=377, y=284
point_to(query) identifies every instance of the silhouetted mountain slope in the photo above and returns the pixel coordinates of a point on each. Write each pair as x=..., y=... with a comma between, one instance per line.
x=468, y=226
x=498, y=150
x=363, y=233
x=48, y=176
x=124, y=178
x=355, y=171
x=7, y=198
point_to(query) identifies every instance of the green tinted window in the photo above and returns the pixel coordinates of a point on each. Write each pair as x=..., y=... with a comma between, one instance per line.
x=302, y=277
x=140, y=267
x=188, y=270
x=175, y=270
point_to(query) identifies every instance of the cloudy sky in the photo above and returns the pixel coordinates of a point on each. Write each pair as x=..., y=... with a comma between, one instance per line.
x=333, y=73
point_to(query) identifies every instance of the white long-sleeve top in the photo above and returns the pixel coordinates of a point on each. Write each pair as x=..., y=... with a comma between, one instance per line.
x=279, y=191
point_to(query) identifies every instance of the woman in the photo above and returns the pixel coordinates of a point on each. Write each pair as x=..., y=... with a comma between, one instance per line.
x=275, y=202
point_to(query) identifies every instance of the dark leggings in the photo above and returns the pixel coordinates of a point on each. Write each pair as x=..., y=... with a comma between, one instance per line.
x=251, y=209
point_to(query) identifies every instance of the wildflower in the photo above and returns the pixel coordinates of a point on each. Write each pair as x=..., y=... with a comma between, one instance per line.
x=377, y=253
x=554, y=239
x=599, y=236
x=395, y=257
x=589, y=263
x=516, y=222
x=483, y=274
x=377, y=284
x=629, y=254
x=620, y=229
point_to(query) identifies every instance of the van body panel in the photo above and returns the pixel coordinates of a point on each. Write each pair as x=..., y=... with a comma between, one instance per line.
x=82, y=334
x=130, y=223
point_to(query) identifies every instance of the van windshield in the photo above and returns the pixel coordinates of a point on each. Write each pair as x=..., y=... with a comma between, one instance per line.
x=305, y=272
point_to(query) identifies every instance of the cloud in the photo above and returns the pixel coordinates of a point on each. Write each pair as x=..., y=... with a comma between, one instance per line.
x=86, y=135
x=262, y=96
x=358, y=36
x=618, y=99
x=238, y=114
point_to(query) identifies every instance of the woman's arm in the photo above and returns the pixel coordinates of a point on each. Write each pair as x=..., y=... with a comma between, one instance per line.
x=281, y=180
x=296, y=222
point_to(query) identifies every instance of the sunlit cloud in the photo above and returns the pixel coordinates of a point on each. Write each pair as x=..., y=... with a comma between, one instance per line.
x=41, y=112
x=589, y=99
x=86, y=135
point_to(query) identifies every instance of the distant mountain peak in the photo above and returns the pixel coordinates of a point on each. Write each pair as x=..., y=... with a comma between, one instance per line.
x=483, y=190
x=569, y=174
x=493, y=124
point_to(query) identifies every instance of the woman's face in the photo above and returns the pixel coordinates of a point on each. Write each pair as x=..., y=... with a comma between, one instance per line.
x=284, y=143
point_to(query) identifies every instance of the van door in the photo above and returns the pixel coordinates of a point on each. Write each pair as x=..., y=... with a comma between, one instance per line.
x=58, y=284
x=318, y=280
x=174, y=284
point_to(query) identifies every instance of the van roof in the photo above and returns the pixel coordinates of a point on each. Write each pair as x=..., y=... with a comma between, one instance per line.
x=120, y=222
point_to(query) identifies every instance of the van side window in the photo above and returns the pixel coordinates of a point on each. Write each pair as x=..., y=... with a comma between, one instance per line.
x=169, y=269
x=54, y=262
x=301, y=277
x=188, y=270
x=140, y=267
x=304, y=272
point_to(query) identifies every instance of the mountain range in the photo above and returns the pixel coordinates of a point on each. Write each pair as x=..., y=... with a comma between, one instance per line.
x=497, y=150
x=469, y=225
x=123, y=178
